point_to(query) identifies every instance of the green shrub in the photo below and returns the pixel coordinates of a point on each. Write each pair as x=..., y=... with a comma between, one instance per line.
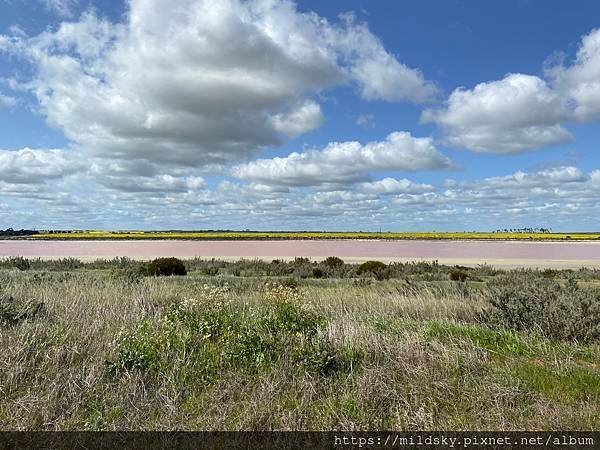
x=166, y=267
x=138, y=349
x=131, y=274
x=288, y=313
x=317, y=273
x=557, y=311
x=300, y=261
x=458, y=275
x=290, y=282
x=549, y=273
x=13, y=312
x=376, y=269
x=333, y=262
x=201, y=337
x=20, y=263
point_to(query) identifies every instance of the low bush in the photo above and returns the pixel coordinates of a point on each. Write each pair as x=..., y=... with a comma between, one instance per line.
x=376, y=269
x=556, y=311
x=13, y=312
x=458, y=275
x=166, y=267
x=133, y=273
x=290, y=282
x=549, y=273
x=333, y=262
x=20, y=263
x=205, y=335
x=317, y=273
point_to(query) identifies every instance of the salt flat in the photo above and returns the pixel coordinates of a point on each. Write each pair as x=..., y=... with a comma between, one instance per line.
x=507, y=254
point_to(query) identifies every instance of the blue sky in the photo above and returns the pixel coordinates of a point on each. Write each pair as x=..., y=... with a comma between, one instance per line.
x=341, y=115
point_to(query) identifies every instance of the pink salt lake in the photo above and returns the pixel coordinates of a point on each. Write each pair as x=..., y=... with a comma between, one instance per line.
x=496, y=253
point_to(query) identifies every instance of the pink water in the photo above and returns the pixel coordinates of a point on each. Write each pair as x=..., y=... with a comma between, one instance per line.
x=483, y=251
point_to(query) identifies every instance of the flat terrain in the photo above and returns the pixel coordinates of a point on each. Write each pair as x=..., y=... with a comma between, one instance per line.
x=259, y=235
x=252, y=345
x=508, y=254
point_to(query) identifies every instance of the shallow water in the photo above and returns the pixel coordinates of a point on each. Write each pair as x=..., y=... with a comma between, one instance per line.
x=509, y=253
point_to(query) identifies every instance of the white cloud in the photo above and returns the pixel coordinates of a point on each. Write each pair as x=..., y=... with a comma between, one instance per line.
x=581, y=80
x=35, y=166
x=366, y=120
x=63, y=8
x=394, y=186
x=202, y=82
x=305, y=117
x=557, y=176
x=346, y=162
x=551, y=198
x=160, y=184
x=7, y=101
x=379, y=74
x=515, y=114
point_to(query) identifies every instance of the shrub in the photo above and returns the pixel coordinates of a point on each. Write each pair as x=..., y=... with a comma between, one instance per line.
x=20, y=263
x=166, y=267
x=131, y=274
x=13, y=312
x=458, y=275
x=288, y=312
x=200, y=337
x=370, y=266
x=317, y=273
x=300, y=261
x=66, y=264
x=138, y=349
x=333, y=262
x=549, y=273
x=373, y=268
x=556, y=311
x=290, y=282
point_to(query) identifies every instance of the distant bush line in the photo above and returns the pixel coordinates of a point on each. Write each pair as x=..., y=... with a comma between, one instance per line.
x=298, y=268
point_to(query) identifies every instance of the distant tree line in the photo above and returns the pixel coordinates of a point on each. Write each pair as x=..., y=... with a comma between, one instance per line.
x=21, y=232
x=524, y=230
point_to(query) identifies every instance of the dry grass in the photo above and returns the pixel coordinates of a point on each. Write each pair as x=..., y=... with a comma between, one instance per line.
x=416, y=358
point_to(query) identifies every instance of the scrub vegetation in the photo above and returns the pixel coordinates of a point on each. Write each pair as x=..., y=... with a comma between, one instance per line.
x=251, y=345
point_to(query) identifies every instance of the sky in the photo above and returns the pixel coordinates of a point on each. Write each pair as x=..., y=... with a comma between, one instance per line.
x=309, y=115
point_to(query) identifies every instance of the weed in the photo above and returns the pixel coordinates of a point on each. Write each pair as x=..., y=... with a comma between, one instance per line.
x=166, y=267
x=458, y=275
x=13, y=312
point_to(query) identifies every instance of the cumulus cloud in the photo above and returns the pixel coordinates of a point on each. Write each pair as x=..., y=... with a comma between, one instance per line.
x=554, y=177
x=162, y=184
x=393, y=186
x=550, y=198
x=581, y=80
x=202, y=82
x=305, y=117
x=380, y=76
x=35, y=166
x=515, y=114
x=346, y=162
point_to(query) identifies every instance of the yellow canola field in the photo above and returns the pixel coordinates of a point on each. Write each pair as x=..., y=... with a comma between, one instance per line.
x=249, y=235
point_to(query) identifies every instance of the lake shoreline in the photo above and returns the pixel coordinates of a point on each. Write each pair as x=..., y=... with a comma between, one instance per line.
x=505, y=254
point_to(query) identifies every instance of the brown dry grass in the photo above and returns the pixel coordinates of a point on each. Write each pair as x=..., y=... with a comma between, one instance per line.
x=425, y=363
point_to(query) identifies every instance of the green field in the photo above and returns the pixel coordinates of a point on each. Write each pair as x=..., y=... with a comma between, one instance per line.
x=251, y=345
x=238, y=235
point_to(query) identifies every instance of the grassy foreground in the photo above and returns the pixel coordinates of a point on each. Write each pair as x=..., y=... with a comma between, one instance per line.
x=248, y=235
x=98, y=348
